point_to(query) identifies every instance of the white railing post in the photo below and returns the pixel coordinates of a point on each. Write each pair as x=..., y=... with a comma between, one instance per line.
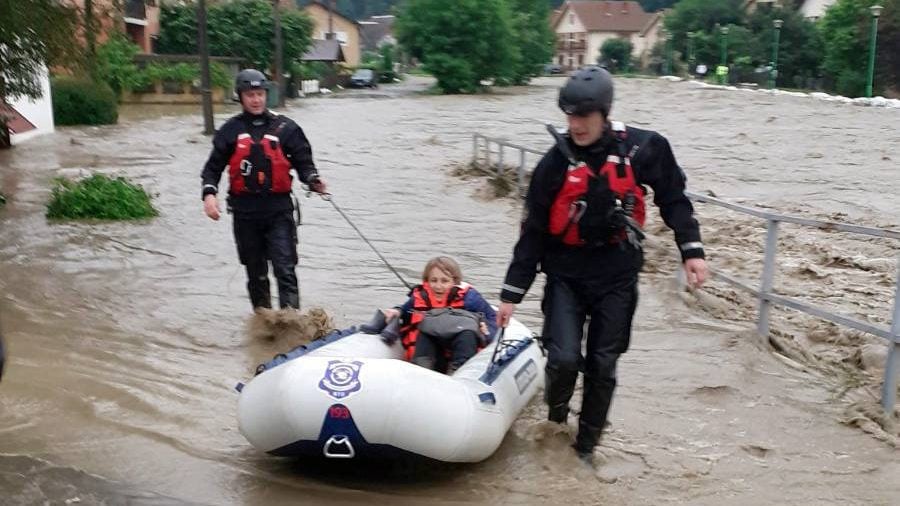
x=768, y=275
x=500, y=156
x=892, y=367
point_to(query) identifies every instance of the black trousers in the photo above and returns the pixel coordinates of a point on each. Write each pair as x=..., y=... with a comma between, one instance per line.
x=566, y=305
x=430, y=350
x=265, y=238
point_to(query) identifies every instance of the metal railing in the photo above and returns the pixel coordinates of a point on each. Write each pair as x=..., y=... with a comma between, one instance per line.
x=571, y=45
x=483, y=149
x=482, y=152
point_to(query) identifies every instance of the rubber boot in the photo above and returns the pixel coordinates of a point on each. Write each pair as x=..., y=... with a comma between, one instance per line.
x=258, y=288
x=560, y=384
x=375, y=325
x=391, y=333
x=598, y=394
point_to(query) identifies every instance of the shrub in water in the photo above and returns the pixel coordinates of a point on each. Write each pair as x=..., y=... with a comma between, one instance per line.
x=83, y=102
x=100, y=197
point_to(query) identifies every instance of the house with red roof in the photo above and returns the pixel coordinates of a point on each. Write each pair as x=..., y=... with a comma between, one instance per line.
x=582, y=26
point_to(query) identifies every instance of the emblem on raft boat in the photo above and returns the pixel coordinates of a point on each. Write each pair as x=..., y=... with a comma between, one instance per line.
x=341, y=378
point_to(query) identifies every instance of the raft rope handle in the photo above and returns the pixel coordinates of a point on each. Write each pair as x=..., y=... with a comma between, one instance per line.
x=330, y=198
x=497, y=347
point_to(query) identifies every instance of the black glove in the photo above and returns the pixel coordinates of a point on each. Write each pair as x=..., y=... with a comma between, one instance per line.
x=316, y=184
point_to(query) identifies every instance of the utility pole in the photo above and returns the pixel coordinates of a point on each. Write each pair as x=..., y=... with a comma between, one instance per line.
x=279, y=53
x=205, y=91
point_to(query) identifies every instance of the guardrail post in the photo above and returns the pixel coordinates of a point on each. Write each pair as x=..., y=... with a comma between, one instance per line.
x=474, y=149
x=892, y=367
x=487, y=152
x=500, y=156
x=521, y=174
x=768, y=275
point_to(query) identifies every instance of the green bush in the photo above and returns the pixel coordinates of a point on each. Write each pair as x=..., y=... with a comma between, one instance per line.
x=116, y=67
x=2, y=200
x=100, y=197
x=83, y=102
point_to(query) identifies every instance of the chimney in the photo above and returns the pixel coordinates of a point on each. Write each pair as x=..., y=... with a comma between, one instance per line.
x=624, y=7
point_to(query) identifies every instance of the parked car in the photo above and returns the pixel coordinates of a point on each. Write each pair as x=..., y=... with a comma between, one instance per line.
x=364, y=78
x=552, y=68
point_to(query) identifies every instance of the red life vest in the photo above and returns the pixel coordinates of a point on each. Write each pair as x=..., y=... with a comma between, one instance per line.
x=423, y=300
x=259, y=167
x=569, y=204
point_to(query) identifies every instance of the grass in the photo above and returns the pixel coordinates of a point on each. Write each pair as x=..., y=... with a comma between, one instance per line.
x=99, y=197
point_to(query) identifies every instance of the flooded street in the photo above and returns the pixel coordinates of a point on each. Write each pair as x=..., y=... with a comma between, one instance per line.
x=126, y=339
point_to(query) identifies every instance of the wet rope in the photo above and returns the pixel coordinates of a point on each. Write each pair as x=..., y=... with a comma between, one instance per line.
x=328, y=197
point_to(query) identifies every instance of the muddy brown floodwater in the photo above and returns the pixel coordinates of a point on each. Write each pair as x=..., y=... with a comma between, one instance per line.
x=126, y=339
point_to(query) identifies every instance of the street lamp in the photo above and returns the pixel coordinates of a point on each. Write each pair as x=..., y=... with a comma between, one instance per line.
x=722, y=69
x=724, y=58
x=876, y=13
x=279, y=54
x=205, y=87
x=773, y=74
x=690, y=49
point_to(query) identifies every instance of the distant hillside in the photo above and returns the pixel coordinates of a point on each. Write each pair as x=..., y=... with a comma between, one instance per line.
x=361, y=9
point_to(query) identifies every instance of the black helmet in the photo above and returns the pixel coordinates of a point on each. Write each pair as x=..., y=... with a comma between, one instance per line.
x=249, y=79
x=589, y=89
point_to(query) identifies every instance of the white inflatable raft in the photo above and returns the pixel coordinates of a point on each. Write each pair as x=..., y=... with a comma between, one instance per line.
x=350, y=395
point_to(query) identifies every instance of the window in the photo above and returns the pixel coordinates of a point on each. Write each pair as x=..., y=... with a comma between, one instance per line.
x=340, y=36
x=580, y=60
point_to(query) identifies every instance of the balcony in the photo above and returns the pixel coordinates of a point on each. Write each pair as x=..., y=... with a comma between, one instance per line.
x=571, y=45
x=135, y=9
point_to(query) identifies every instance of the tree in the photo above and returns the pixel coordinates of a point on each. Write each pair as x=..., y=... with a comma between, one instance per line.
x=242, y=28
x=33, y=34
x=887, y=68
x=616, y=54
x=359, y=9
x=655, y=5
x=533, y=37
x=799, y=47
x=701, y=16
x=845, y=35
x=460, y=44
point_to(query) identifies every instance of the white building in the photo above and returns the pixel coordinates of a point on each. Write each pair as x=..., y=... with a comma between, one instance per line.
x=29, y=118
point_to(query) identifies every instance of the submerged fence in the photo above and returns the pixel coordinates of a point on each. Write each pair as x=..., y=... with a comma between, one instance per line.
x=492, y=152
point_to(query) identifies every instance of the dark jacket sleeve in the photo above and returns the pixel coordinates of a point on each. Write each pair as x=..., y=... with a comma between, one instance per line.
x=299, y=152
x=530, y=247
x=657, y=168
x=475, y=303
x=223, y=147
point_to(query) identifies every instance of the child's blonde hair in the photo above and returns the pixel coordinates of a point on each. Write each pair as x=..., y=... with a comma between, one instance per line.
x=445, y=264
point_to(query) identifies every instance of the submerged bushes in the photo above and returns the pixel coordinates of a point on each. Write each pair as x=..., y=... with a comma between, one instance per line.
x=83, y=102
x=100, y=197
